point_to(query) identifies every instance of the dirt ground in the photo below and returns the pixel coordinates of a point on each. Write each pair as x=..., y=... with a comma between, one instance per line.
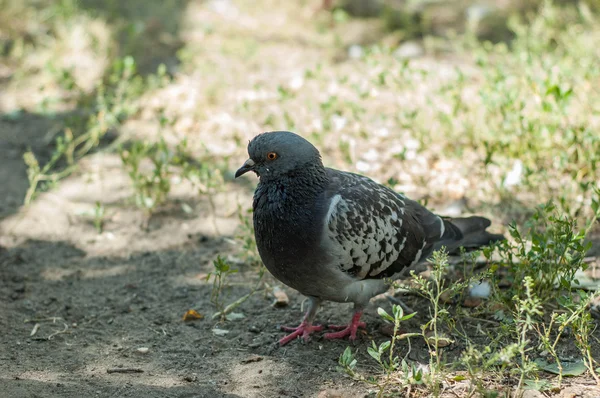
x=101, y=300
x=84, y=314
x=104, y=303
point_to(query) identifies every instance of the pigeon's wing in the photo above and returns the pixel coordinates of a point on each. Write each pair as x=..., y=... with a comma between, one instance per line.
x=372, y=231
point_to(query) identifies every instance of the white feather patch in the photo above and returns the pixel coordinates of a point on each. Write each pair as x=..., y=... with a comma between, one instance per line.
x=332, y=208
x=418, y=255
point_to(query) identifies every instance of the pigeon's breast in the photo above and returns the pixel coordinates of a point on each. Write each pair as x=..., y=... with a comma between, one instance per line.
x=288, y=236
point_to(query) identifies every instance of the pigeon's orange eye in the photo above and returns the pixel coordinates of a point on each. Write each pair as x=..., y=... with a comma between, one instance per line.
x=271, y=156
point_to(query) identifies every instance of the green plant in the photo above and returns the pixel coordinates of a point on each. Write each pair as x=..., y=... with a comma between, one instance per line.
x=220, y=275
x=526, y=313
x=207, y=179
x=573, y=317
x=222, y=270
x=385, y=355
x=433, y=290
x=392, y=363
x=548, y=250
x=99, y=217
x=579, y=319
x=151, y=187
x=483, y=362
x=112, y=103
x=151, y=166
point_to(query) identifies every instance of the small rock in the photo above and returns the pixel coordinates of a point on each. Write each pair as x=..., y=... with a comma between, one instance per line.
x=409, y=49
x=329, y=393
x=472, y=302
x=234, y=316
x=387, y=329
x=514, y=176
x=455, y=209
x=480, y=290
x=355, y=51
x=281, y=298
x=504, y=283
x=296, y=83
x=447, y=297
x=532, y=394
x=143, y=350
x=252, y=358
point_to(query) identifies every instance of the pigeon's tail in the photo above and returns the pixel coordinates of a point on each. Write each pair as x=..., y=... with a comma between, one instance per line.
x=468, y=232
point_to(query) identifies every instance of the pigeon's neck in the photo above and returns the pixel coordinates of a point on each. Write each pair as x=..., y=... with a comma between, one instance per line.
x=295, y=191
x=291, y=209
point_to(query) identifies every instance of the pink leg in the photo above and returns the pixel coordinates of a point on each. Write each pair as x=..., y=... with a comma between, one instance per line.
x=306, y=327
x=304, y=330
x=347, y=330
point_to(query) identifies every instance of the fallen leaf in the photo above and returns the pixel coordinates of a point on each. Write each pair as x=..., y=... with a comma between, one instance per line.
x=576, y=368
x=537, y=385
x=442, y=341
x=192, y=315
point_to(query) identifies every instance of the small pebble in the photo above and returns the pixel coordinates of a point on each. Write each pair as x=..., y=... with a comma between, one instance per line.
x=143, y=350
x=472, y=302
x=387, y=329
x=281, y=298
x=252, y=358
x=254, y=329
x=481, y=290
x=447, y=297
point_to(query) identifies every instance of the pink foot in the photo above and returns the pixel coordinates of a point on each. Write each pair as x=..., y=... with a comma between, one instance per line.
x=303, y=330
x=347, y=330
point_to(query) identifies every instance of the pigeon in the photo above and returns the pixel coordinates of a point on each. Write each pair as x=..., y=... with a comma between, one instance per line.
x=339, y=236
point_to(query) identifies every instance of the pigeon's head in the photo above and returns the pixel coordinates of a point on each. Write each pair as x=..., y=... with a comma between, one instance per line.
x=278, y=153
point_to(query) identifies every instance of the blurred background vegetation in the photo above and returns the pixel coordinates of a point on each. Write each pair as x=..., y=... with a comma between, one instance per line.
x=493, y=102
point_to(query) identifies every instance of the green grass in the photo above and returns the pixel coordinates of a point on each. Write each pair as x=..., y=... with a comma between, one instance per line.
x=511, y=126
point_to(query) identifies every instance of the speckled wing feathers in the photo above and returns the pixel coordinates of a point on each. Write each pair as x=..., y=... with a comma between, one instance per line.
x=374, y=232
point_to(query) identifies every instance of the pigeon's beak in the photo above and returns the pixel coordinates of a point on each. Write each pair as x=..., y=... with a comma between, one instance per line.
x=246, y=167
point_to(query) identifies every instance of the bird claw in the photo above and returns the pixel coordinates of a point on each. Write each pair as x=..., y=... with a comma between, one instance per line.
x=345, y=330
x=342, y=327
x=303, y=330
